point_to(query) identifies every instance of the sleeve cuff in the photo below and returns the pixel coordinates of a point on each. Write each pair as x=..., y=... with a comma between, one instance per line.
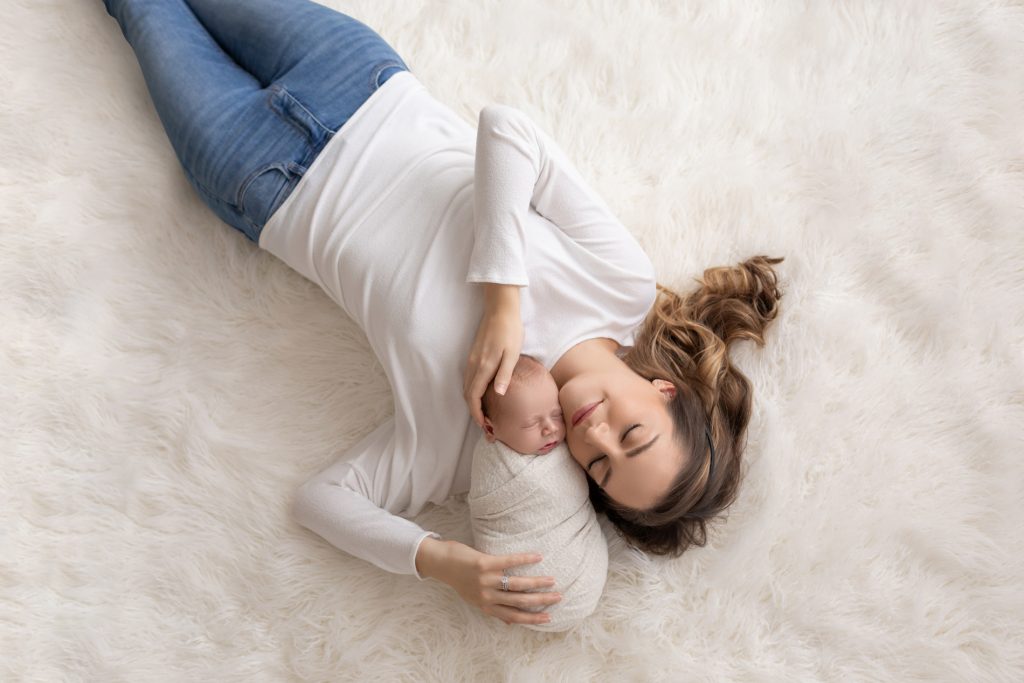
x=416, y=548
x=517, y=280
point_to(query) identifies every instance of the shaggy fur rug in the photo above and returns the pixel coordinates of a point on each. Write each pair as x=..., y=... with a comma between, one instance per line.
x=166, y=385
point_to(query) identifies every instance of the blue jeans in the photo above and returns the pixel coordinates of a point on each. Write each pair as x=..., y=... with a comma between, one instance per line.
x=250, y=91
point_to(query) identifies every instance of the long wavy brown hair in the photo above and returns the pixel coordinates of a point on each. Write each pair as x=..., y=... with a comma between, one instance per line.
x=686, y=340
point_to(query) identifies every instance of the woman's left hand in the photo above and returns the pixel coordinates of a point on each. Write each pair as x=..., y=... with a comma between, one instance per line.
x=499, y=339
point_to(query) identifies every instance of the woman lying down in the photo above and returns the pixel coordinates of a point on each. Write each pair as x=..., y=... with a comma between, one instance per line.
x=528, y=494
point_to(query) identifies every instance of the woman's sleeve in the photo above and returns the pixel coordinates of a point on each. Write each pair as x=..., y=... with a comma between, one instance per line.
x=346, y=508
x=518, y=165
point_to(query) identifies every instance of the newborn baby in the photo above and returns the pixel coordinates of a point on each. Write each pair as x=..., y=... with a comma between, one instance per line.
x=527, y=494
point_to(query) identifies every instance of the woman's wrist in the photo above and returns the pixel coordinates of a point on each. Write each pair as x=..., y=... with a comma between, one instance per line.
x=498, y=297
x=429, y=557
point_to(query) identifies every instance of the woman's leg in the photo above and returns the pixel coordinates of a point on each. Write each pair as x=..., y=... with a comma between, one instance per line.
x=242, y=146
x=249, y=92
x=328, y=61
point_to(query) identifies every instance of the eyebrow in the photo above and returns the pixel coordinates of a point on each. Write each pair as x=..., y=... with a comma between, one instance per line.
x=629, y=454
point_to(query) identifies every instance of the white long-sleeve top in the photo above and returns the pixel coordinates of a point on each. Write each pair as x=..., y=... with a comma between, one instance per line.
x=396, y=219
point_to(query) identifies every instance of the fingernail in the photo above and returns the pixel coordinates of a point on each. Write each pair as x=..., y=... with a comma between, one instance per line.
x=500, y=388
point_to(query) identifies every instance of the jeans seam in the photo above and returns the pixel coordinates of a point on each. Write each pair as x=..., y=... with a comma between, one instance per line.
x=317, y=121
x=308, y=134
x=249, y=179
x=272, y=91
x=375, y=74
x=278, y=199
x=205, y=190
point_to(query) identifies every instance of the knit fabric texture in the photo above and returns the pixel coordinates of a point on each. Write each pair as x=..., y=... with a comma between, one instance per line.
x=521, y=503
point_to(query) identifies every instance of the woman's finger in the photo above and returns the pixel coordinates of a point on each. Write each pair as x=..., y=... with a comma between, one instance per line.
x=466, y=374
x=511, y=615
x=473, y=368
x=500, y=562
x=475, y=408
x=474, y=400
x=526, y=583
x=504, y=375
x=478, y=387
x=520, y=600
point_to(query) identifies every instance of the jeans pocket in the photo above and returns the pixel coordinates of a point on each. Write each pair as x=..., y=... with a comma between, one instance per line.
x=265, y=189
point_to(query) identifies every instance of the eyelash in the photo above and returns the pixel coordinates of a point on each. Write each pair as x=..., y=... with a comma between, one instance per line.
x=602, y=455
x=557, y=417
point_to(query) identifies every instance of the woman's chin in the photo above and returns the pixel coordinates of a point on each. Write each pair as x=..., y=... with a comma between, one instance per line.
x=574, y=457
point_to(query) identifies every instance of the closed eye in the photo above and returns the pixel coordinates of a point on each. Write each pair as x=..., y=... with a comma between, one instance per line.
x=602, y=456
x=557, y=416
x=631, y=453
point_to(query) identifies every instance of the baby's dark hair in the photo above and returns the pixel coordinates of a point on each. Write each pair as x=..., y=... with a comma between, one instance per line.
x=526, y=368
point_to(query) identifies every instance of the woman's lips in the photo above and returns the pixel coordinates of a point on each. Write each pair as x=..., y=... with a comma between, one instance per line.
x=583, y=412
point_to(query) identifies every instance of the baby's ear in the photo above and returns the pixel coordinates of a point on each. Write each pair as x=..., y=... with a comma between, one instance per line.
x=489, y=431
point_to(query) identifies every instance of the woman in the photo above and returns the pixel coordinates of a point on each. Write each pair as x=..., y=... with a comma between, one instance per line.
x=455, y=250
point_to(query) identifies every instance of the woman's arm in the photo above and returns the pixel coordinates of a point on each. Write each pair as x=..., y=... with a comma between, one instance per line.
x=518, y=165
x=347, y=504
x=498, y=297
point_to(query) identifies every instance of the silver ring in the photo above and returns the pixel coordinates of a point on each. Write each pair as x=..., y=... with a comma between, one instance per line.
x=504, y=582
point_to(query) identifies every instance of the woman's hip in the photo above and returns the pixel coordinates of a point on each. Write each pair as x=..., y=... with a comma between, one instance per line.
x=249, y=93
x=273, y=163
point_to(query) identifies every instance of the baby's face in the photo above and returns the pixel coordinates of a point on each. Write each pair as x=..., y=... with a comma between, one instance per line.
x=529, y=417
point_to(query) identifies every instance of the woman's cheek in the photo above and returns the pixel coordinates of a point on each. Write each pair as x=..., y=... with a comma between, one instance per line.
x=573, y=450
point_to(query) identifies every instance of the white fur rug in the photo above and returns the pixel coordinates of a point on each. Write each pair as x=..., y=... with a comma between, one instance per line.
x=165, y=386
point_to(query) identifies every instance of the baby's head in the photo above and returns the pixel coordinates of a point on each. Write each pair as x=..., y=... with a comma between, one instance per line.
x=528, y=418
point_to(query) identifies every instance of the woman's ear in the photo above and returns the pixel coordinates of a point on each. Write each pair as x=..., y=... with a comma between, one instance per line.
x=665, y=387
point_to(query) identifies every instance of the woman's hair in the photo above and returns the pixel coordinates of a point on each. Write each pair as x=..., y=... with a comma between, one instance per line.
x=685, y=340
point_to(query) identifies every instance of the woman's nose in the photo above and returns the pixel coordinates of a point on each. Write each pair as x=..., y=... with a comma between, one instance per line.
x=597, y=435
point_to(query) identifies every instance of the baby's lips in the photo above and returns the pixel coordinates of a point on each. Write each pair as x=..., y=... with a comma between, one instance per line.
x=548, y=447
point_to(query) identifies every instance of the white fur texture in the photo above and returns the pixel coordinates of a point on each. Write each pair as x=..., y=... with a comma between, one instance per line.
x=165, y=386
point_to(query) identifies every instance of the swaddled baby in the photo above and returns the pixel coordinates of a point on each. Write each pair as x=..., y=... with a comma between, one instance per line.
x=527, y=494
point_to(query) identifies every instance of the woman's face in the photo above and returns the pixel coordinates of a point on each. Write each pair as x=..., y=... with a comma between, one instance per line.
x=626, y=442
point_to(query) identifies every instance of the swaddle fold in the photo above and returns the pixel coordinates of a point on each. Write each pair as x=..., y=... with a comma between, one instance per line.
x=540, y=503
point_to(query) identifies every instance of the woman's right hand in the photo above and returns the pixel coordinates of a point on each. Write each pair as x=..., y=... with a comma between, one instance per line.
x=495, y=351
x=476, y=577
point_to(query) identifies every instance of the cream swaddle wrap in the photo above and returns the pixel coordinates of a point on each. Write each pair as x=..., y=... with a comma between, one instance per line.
x=540, y=503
